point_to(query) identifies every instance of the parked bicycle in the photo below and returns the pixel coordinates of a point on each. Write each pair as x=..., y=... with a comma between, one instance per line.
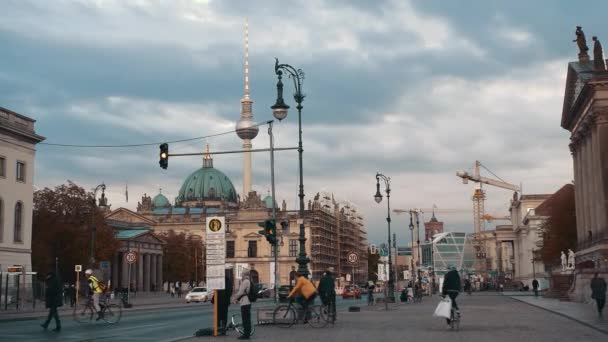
x=237, y=324
x=84, y=312
x=285, y=316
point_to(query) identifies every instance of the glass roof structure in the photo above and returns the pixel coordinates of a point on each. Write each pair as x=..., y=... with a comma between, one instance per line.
x=450, y=248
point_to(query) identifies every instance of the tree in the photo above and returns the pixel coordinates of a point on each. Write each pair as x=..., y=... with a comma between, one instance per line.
x=559, y=230
x=62, y=224
x=183, y=257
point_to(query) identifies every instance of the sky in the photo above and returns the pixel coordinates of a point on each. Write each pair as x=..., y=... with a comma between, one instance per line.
x=415, y=90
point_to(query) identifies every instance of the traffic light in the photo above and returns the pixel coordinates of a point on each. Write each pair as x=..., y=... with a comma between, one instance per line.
x=164, y=155
x=284, y=225
x=269, y=231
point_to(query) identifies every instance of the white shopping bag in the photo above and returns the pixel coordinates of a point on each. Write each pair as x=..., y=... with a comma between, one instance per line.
x=444, y=308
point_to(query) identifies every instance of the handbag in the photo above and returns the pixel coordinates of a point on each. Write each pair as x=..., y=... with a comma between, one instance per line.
x=444, y=308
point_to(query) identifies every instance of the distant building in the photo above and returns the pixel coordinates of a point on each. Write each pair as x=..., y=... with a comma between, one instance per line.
x=18, y=141
x=432, y=227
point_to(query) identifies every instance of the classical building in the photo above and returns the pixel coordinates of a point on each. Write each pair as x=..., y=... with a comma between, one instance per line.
x=585, y=115
x=18, y=141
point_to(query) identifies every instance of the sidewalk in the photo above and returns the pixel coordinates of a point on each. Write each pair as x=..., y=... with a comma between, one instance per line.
x=140, y=302
x=584, y=313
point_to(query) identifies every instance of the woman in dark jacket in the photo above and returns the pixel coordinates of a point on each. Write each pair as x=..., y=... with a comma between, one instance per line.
x=53, y=301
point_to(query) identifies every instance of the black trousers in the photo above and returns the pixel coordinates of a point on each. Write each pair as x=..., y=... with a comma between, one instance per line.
x=53, y=314
x=600, y=304
x=246, y=317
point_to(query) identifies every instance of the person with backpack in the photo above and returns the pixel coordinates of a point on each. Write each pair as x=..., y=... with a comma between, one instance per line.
x=245, y=295
x=96, y=288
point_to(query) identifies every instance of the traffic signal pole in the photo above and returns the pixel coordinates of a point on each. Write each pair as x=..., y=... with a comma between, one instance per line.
x=274, y=215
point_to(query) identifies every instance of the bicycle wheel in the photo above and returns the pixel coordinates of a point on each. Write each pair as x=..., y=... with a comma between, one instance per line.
x=112, y=313
x=238, y=326
x=83, y=312
x=318, y=316
x=284, y=316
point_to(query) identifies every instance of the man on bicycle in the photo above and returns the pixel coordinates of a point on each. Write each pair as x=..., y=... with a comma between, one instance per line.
x=451, y=287
x=95, y=291
x=304, y=292
x=327, y=291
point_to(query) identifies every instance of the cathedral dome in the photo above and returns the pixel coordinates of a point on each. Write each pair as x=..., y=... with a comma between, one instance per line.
x=160, y=201
x=268, y=202
x=207, y=183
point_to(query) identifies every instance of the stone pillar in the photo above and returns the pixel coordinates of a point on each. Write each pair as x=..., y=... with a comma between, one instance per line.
x=115, y=261
x=140, y=273
x=153, y=273
x=576, y=157
x=159, y=271
x=146, y=272
x=597, y=168
x=124, y=280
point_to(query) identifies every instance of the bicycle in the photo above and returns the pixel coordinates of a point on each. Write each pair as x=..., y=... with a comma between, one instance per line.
x=237, y=325
x=285, y=316
x=454, y=319
x=110, y=313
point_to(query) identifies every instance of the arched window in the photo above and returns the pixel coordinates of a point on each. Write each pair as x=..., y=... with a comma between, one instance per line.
x=18, y=222
x=1, y=220
x=211, y=192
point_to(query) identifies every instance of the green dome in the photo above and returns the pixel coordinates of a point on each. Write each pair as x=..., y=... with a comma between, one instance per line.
x=207, y=183
x=160, y=201
x=268, y=202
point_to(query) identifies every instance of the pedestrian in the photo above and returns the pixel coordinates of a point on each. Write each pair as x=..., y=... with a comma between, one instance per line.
x=327, y=292
x=535, y=287
x=178, y=288
x=53, y=301
x=173, y=291
x=598, y=292
x=467, y=286
x=72, y=295
x=242, y=297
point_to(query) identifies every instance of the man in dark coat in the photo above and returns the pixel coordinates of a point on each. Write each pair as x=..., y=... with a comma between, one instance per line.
x=535, y=287
x=53, y=301
x=327, y=291
x=598, y=292
x=451, y=287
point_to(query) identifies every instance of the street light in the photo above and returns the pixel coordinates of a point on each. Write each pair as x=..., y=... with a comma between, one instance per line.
x=102, y=203
x=378, y=199
x=279, y=111
x=412, y=248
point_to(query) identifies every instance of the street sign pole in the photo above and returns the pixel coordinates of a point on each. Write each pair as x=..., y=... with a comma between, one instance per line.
x=77, y=268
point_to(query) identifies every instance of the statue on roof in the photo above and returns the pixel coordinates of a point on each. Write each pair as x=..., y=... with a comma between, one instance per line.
x=599, y=63
x=284, y=206
x=581, y=41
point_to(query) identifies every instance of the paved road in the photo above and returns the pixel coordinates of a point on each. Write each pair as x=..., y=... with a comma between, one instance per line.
x=165, y=324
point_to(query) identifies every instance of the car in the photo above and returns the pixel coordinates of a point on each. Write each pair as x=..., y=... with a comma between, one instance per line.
x=284, y=292
x=351, y=291
x=197, y=294
x=264, y=292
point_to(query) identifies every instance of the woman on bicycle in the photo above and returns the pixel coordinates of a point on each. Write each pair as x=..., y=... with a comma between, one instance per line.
x=304, y=292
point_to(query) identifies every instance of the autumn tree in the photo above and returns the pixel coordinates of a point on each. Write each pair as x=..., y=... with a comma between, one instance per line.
x=559, y=230
x=62, y=226
x=184, y=257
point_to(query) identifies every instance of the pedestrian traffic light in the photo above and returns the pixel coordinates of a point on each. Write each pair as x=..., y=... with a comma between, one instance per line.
x=269, y=231
x=164, y=156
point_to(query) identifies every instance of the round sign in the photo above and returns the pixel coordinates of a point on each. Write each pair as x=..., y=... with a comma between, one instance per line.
x=352, y=258
x=131, y=257
x=215, y=225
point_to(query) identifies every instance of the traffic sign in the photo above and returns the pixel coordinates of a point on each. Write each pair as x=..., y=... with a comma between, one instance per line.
x=384, y=252
x=352, y=257
x=131, y=257
x=78, y=268
x=104, y=265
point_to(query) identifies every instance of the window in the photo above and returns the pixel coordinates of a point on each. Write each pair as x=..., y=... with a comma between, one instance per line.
x=229, y=249
x=20, y=171
x=293, y=248
x=2, y=166
x=18, y=221
x=252, y=250
x=1, y=219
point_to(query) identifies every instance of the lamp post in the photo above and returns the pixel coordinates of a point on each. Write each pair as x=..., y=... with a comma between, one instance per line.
x=418, y=243
x=412, y=249
x=102, y=203
x=378, y=198
x=279, y=111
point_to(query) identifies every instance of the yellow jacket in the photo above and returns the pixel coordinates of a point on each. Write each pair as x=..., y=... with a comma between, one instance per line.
x=95, y=285
x=303, y=286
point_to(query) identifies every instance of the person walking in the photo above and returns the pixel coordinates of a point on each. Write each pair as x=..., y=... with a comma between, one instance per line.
x=327, y=292
x=53, y=300
x=452, y=287
x=242, y=298
x=72, y=295
x=535, y=287
x=598, y=292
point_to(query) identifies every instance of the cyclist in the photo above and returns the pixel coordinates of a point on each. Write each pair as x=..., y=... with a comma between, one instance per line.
x=327, y=291
x=451, y=287
x=304, y=293
x=95, y=291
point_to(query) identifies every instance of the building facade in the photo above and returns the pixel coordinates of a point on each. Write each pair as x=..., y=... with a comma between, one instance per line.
x=18, y=141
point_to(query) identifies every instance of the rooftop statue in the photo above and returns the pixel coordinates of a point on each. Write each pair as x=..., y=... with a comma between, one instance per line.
x=599, y=63
x=581, y=41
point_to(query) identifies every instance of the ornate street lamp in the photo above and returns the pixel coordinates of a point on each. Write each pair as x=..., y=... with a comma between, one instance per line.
x=378, y=199
x=412, y=248
x=279, y=111
x=102, y=203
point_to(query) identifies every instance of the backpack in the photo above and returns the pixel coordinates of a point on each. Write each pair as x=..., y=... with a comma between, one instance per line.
x=102, y=286
x=252, y=293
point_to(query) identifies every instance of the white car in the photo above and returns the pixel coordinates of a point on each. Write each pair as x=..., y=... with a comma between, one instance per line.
x=197, y=294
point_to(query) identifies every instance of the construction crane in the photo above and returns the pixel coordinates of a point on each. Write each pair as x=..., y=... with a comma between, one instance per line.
x=490, y=218
x=479, y=195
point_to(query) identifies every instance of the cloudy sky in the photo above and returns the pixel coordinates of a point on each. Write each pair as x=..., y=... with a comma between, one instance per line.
x=414, y=89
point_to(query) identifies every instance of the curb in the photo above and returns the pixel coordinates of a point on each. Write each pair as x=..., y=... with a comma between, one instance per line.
x=564, y=315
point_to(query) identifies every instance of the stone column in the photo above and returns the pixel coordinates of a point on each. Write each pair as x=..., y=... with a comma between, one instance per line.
x=140, y=273
x=597, y=167
x=153, y=272
x=124, y=280
x=115, y=261
x=576, y=157
x=146, y=272
x=159, y=271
